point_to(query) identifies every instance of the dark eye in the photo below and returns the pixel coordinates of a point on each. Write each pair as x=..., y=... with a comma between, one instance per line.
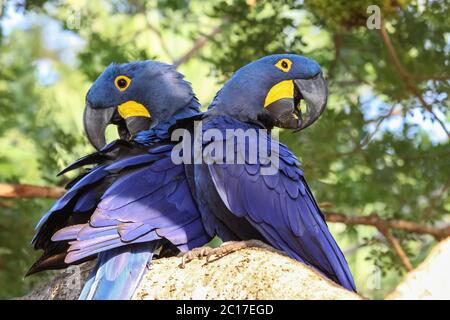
x=284, y=65
x=122, y=82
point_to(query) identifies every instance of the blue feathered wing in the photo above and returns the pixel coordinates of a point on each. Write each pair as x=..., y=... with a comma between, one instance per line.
x=280, y=206
x=149, y=205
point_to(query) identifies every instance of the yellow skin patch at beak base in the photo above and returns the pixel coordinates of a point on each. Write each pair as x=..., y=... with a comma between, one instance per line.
x=133, y=109
x=282, y=90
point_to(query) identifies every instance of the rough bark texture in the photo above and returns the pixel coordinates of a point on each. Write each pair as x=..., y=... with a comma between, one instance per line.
x=430, y=280
x=252, y=273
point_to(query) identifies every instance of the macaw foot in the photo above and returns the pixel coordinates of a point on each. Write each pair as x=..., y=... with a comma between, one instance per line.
x=225, y=248
x=196, y=253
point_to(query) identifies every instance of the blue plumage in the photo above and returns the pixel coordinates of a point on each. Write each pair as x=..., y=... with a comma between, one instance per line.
x=148, y=204
x=289, y=220
x=118, y=273
x=141, y=209
x=237, y=201
x=135, y=202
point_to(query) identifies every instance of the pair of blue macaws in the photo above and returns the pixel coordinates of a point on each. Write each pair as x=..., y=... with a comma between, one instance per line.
x=135, y=202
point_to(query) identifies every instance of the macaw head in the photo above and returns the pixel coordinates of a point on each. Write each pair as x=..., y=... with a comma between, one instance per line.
x=271, y=91
x=134, y=96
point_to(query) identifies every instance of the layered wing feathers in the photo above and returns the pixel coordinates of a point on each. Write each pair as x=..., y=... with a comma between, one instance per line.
x=147, y=203
x=280, y=206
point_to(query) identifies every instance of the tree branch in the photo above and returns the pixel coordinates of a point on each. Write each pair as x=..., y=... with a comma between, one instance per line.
x=365, y=141
x=397, y=248
x=141, y=8
x=380, y=120
x=198, y=44
x=385, y=226
x=6, y=204
x=33, y=191
x=407, y=77
x=29, y=191
x=251, y=273
x=161, y=39
x=429, y=280
x=375, y=221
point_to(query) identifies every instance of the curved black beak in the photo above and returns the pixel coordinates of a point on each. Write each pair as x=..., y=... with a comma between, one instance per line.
x=315, y=94
x=96, y=120
x=284, y=99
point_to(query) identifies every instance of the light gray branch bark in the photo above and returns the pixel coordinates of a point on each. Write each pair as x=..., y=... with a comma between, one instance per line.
x=247, y=274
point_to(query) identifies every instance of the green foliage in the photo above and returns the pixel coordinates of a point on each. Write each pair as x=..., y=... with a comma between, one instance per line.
x=16, y=255
x=250, y=32
x=367, y=154
x=341, y=15
x=101, y=51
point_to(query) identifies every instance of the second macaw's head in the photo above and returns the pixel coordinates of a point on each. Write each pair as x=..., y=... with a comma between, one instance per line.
x=134, y=96
x=283, y=90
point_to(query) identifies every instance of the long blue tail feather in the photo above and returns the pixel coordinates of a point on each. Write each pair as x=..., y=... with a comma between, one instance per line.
x=118, y=272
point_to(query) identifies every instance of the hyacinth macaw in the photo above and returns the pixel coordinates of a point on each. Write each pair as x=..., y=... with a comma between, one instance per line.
x=134, y=203
x=236, y=201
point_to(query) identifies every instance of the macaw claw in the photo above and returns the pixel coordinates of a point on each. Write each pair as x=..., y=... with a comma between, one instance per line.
x=225, y=249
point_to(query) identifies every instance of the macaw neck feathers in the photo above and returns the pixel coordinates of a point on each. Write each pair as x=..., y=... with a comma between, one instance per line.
x=161, y=130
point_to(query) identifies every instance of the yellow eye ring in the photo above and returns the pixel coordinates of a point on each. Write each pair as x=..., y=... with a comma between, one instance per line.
x=122, y=82
x=284, y=65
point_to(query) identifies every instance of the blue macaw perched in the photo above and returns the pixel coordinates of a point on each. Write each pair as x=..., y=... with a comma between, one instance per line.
x=237, y=201
x=135, y=202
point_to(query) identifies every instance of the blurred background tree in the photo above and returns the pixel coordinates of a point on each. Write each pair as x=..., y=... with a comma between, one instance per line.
x=380, y=151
